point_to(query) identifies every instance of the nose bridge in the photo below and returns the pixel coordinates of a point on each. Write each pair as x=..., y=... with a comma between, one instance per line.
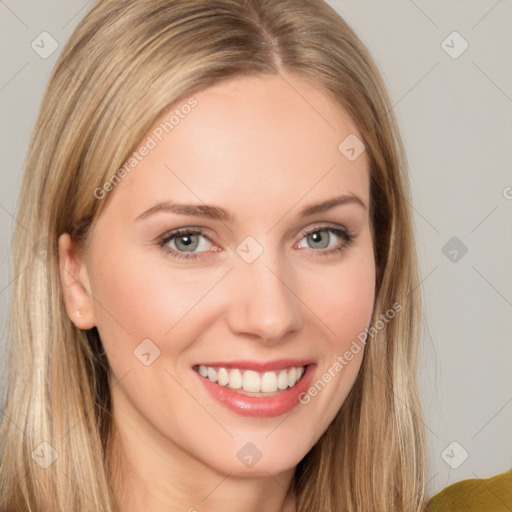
x=264, y=303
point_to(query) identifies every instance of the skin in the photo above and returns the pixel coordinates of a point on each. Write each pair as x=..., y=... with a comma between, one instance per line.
x=257, y=148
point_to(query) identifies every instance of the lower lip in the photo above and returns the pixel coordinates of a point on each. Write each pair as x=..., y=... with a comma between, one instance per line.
x=260, y=406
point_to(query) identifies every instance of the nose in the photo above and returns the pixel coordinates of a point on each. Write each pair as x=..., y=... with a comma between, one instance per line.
x=264, y=304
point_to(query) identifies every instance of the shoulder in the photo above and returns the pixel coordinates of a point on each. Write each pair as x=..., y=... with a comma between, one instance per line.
x=476, y=495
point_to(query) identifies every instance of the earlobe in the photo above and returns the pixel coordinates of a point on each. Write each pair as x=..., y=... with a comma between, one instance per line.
x=75, y=284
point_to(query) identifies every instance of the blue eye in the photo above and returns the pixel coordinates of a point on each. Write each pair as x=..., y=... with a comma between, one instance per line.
x=187, y=240
x=184, y=239
x=315, y=237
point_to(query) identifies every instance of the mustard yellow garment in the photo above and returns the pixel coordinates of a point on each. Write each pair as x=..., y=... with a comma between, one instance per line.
x=476, y=495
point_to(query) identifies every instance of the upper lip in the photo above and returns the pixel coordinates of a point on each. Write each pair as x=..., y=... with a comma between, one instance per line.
x=259, y=366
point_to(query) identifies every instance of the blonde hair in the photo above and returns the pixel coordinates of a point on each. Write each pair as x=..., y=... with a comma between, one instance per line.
x=124, y=66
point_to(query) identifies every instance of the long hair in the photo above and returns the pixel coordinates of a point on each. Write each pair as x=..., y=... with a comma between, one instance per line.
x=124, y=66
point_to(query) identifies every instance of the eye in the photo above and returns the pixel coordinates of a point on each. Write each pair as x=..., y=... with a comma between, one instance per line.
x=185, y=240
x=321, y=236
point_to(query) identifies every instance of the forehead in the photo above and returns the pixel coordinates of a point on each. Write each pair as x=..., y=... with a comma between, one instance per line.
x=249, y=143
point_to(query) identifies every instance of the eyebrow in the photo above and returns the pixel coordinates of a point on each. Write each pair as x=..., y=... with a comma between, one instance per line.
x=218, y=213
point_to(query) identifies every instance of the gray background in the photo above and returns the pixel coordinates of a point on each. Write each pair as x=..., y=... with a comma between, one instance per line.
x=455, y=118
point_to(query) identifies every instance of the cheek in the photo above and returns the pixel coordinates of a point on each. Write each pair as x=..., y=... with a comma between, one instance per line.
x=342, y=297
x=351, y=307
x=139, y=298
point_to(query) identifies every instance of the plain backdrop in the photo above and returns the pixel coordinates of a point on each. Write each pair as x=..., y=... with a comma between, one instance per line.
x=448, y=70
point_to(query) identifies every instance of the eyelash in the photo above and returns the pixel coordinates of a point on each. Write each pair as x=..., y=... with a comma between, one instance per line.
x=344, y=234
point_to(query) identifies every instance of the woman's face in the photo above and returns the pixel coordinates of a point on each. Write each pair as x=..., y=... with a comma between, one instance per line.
x=259, y=281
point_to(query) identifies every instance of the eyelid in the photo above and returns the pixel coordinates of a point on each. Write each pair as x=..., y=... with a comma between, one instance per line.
x=175, y=233
x=317, y=226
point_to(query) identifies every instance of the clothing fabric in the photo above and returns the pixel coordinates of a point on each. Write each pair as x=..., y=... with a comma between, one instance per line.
x=492, y=494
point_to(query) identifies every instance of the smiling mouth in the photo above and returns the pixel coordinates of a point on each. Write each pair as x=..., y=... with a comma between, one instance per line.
x=250, y=382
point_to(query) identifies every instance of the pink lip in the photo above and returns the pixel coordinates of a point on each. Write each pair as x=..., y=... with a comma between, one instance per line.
x=257, y=366
x=259, y=407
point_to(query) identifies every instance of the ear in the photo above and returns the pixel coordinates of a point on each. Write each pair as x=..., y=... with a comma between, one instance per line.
x=75, y=284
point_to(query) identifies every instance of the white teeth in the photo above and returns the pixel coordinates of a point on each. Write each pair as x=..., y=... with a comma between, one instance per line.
x=212, y=374
x=251, y=381
x=282, y=379
x=292, y=377
x=223, y=376
x=235, y=379
x=269, y=382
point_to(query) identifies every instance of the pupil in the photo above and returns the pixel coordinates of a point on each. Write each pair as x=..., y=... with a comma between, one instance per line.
x=185, y=241
x=317, y=237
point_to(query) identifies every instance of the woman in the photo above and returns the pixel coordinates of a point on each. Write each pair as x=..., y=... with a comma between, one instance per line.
x=261, y=371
